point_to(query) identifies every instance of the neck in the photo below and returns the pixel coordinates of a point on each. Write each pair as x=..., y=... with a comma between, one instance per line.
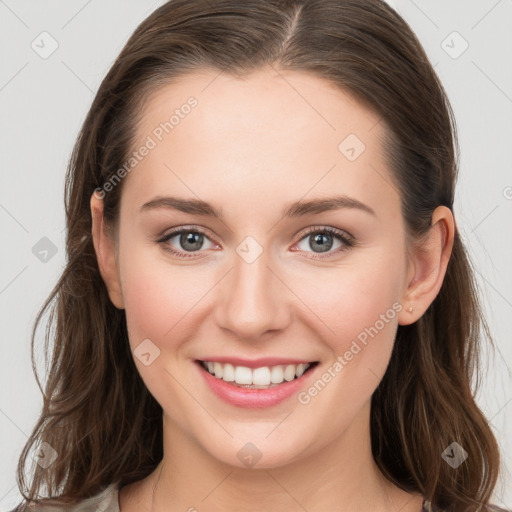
x=341, y=476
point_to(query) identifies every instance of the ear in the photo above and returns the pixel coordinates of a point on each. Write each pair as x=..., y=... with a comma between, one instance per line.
x=427, y=266
x=105, y=250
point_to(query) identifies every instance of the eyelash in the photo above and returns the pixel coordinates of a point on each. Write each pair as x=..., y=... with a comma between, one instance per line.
x=348, y=241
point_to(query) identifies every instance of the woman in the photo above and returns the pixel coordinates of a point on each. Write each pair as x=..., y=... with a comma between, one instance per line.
x=312, y=349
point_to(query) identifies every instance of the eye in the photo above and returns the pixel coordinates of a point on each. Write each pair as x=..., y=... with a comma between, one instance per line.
x=322, y=240
x=189, y=240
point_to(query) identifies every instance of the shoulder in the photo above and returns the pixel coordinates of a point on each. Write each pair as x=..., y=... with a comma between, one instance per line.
x=105, y=501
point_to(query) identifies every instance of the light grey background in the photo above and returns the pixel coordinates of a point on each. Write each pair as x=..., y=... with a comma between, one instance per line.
x=43, y=103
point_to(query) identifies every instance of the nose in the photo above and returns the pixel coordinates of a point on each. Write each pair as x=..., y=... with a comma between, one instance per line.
x=254, y=300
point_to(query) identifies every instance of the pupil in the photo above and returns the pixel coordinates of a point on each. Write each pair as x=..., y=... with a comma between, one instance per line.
x=196, y=239
x=320, y=239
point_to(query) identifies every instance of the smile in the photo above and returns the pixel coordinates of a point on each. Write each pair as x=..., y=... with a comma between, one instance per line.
x=257, y=378
x=257, y=387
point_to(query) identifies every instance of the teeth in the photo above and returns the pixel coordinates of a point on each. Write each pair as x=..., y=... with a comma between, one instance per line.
x=218, y=370
x=261, y=376
x=264, y=376
x=289, y=372
x=301, y=368
x=243, y=375
x=228, y=373
x=276, y=375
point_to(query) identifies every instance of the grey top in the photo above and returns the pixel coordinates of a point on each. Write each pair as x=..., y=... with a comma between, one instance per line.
x=108, y=501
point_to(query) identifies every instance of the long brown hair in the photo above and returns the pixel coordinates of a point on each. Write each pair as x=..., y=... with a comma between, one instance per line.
x=98, y=415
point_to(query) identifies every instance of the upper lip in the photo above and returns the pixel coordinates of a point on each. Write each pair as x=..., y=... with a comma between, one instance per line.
x=256, y=363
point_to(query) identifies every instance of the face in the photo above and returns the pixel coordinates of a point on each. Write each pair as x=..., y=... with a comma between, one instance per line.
x=252, y=287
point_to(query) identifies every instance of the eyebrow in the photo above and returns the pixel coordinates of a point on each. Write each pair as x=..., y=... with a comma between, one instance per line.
x=294, y=209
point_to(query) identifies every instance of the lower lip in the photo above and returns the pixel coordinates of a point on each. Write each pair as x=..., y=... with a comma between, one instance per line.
x=253, y=398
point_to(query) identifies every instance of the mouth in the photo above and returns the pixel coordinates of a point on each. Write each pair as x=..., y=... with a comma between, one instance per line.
x=257, y=378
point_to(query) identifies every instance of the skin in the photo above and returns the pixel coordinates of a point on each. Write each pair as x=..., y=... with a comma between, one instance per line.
x=250, y=147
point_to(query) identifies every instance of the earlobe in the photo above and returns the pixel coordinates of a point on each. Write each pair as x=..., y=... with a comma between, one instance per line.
x=430, y=259
x=105, y=252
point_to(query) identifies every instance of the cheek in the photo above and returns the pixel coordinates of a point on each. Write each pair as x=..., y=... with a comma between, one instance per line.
x=158, y=296
x=347, y=302
x=356, y=313
x=162, y=304
x=355, y=317
x=151, y=303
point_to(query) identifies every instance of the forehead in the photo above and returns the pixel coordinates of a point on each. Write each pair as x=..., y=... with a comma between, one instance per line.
x=212, y=133
x=262, y=101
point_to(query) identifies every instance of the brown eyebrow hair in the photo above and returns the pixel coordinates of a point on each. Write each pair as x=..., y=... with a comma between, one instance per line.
x=294, y=209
